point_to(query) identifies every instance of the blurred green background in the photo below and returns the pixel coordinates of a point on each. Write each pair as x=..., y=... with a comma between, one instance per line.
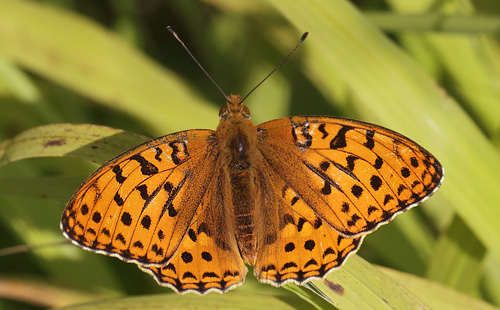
x=427, y=69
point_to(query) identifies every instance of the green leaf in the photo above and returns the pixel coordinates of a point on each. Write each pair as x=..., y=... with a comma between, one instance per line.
x=91, y=142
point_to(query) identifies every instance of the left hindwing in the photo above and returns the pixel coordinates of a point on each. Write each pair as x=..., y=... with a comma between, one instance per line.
x=354, y=175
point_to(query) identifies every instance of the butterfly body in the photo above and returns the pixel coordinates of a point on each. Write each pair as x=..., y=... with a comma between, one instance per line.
x=293, y=197
x=237, y=141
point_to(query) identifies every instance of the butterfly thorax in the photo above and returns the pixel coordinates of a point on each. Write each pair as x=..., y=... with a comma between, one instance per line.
x=237, y=140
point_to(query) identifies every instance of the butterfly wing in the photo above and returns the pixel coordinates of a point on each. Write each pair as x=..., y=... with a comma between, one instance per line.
x=338, y=180
x=302, y=246
x=138, y=206
x=208, y=258
x=355, y=176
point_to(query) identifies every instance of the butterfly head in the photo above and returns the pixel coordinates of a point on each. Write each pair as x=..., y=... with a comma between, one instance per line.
x=234, y=109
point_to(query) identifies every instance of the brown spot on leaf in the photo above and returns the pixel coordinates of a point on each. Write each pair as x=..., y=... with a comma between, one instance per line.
x=337, y=288
x=57, y=142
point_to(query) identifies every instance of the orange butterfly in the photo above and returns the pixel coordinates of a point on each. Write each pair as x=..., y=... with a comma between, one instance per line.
x=293, y=197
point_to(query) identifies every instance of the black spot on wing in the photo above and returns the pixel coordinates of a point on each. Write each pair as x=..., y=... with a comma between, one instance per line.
x=168, y=187
x=356, y=190
x=96, y=217
x=339, y=141
x=119, y=200
x=147, y=168
x=369, y=143
x=206, y=256
x=350, y=162
x=126, y=219
x=378, y=163
x=143, y=190
x=289, y=265
x=324, y=165
x=326, y=190
x=187, y=257
x=387, y=198
x=414, y=162
x=146, y=222
x=173, y=191
x=321, y=129
x=375, y=182
x=158, y=153
x=300, y=224
x=311, y=262
x=192, y=235
x=161, y=234
x=345, y=207
x=405, y=172
x=118, y=174
x=309, y=245
x=179, y=151
x=119, y=237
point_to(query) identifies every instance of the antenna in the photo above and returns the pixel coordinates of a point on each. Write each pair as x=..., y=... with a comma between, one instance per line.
x=304, y=36
x=196, y=61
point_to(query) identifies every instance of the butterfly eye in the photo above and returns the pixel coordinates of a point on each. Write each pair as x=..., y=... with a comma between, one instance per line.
x=245, y=112
x=223, y=112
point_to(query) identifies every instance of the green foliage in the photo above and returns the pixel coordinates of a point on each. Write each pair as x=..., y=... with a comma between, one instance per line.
x=432, y=76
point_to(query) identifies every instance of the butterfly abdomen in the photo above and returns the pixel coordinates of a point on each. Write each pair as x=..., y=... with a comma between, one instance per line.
x=243, y=194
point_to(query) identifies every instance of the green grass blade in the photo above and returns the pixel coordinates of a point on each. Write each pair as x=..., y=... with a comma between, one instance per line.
x=360, y=285
x=43, y=294
x=232, y=300
x=15, y=82
x=436, y=295
x=81, y=55
x=435, y=21
x=457, y=258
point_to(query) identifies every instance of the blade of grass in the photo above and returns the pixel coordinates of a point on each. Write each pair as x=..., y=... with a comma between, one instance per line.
x=15, y=82
x=437, y=295
x=43, y=294
x=232, y=300
x=360, y=285
x=457, y=258
x=435, y=21
x=98, y=65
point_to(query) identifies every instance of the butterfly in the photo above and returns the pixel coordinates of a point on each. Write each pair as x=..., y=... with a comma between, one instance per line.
x=292, y=197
